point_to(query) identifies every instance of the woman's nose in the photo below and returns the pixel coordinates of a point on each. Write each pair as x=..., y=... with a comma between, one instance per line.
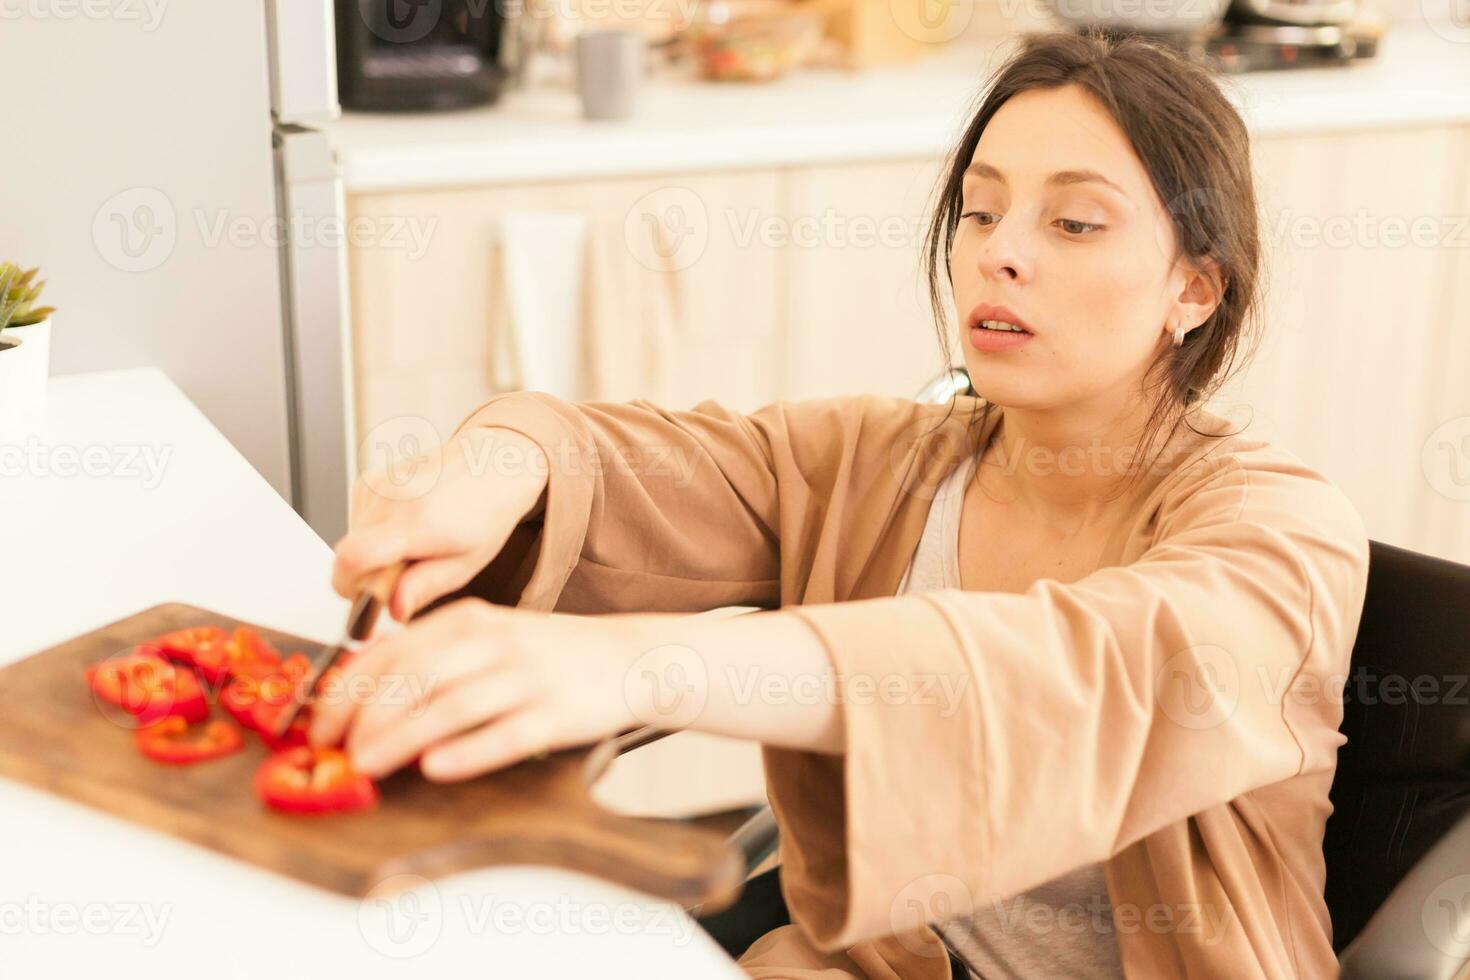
x=1002, y=254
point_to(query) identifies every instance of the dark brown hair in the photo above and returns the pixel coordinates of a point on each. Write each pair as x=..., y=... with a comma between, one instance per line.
x=1196, y=151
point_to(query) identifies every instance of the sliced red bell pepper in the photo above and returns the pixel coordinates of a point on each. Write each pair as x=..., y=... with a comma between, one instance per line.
x=203, y=647
x=175, y=741
x=246, y=651
x=219, y=655
x=238, y=699
x=266, y=717
x=276, y=697
x=147, y=685
x=256, y=688
x=313, y=779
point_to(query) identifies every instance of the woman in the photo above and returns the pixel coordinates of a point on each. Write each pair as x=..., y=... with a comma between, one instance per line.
x=1042, y=672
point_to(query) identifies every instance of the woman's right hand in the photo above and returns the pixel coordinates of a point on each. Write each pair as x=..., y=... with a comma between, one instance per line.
x=477, y=492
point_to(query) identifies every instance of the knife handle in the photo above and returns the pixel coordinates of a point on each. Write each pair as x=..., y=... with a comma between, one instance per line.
x=375, y=592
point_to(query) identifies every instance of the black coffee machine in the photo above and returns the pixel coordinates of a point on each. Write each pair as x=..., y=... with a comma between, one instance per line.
x=416, y=55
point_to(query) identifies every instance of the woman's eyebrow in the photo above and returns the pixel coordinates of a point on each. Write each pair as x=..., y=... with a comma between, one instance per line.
x=1061, y=178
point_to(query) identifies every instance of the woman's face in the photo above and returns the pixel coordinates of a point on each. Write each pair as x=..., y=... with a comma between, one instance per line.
x=1061, y=227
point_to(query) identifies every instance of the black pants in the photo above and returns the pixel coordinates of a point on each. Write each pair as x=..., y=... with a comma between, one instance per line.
x=760, y=909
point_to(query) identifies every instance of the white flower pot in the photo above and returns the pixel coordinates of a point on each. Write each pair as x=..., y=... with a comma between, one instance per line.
x=25, y=362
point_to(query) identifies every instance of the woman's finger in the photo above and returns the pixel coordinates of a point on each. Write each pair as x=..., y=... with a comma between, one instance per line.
x=406, y=687
x=503, y=742
x=404, y=664
x=430, y=579
x=364, y=551
x=336, y=704
x=448, y=713
x=360, y=683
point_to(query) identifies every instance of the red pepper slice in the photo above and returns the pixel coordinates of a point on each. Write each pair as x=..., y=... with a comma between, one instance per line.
x=175, y=741
x=240, y=698
x=197, y=646
x=253, y=692
x=267, y=715
x=219, y=655
x=276, y=696
x=245, y=652
x=313, y=779
x=146, y=684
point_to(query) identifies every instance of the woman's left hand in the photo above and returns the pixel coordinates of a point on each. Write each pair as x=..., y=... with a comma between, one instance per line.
x=472, y=687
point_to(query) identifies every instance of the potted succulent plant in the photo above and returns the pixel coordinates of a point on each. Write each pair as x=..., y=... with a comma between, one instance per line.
x=25, y=346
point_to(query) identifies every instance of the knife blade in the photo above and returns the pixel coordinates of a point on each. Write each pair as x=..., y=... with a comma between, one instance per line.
x=361, y=618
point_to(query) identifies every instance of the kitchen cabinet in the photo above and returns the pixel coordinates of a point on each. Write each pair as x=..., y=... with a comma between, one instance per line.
x=1445, y=453
x=746, y=286
x=857, y=314
x=1360, y=354
x=675, y=305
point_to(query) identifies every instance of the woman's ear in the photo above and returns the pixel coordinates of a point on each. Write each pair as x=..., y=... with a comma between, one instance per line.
x=1203, y=289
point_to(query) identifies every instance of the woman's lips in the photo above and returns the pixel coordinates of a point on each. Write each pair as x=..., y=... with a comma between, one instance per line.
x=996, y=340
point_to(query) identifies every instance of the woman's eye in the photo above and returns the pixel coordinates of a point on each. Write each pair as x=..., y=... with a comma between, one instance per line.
x=1073, y=227
x=981, y=217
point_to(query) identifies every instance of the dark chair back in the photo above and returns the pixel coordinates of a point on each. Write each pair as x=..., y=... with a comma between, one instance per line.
x=1403, y=777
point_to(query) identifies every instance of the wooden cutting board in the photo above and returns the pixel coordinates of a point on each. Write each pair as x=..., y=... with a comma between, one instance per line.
x=53, y=735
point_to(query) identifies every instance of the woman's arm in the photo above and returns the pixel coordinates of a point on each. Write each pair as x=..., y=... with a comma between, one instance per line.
x=762, y=676
x=585, y=507
x=647, y=509
x=1093, y=713
x=472, y=687
x=632, y=491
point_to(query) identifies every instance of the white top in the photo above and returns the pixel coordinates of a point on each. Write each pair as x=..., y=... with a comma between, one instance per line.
x=129, y=498
x=1063, y=928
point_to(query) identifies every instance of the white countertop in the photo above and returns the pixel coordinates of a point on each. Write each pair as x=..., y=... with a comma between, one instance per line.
x=130, y=497
x=1419, y=77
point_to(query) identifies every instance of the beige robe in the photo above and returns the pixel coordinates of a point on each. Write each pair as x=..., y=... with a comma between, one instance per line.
x=1174, y=713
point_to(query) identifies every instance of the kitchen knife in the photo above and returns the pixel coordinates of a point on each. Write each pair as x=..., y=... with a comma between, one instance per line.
x=361, y=618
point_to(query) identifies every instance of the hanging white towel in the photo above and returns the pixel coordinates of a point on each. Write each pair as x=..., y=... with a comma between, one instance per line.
x=631, y=315
x=538, y=345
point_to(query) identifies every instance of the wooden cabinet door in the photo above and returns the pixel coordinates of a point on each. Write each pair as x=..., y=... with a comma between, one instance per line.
x=858, y=315
x=1357, y=318
x=682, y=308
x=1445, y=450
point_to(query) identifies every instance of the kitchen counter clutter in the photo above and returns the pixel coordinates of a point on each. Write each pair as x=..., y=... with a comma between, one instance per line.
x=812, y=116
x=127, y=498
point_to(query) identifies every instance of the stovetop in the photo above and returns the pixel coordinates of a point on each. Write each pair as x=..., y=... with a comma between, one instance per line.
x=1235, y=46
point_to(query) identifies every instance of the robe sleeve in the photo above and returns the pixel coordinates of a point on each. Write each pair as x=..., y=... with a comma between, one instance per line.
x=634, y=491
x=997, y=740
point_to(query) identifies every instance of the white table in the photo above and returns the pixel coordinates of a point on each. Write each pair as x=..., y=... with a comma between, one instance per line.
x=127, y=498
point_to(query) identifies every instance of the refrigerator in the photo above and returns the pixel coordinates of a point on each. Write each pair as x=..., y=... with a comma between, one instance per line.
x=162, y=167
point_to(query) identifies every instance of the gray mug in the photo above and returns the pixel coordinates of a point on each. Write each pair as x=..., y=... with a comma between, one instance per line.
x=609, y=71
